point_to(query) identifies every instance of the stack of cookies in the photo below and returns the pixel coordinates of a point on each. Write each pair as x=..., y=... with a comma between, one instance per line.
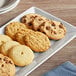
x=12, y=52
x=53, y=29
x=7, y=67
x=35, y=31
x=35, y=40
x=20, y=54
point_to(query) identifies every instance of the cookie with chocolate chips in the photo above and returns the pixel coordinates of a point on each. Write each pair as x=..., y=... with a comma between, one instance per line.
x=27, y=19
x=53, y=29
x=33, y=20
x=7, y=67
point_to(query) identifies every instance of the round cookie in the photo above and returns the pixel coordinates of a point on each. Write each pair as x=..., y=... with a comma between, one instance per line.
x=53, y=29
x=37, y=41
x=14, y=27
x=21, y=55
x=7, y=67
x=6, y=46
x=4, y=38
x=29, y=18
x=37, y=22
x=19, y=35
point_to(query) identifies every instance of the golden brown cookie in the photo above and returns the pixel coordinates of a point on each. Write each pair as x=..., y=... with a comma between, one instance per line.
x=53, y=29
x=31, y=19
x=19, y=35
x=37, y=41
x=37, y=22
x=6, y=46
x=27, y=19
x=4, y=38
x=21, y=55
x=14, y=27
x=7, y=67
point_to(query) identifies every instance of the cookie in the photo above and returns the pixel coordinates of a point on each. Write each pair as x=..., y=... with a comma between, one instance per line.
x=37, y=41
x=14, y=27
x=6, y=46
x=4, y=38
x=37, y=22
x=29, y=18
x=53, y=29
x=21, y=55
x=7, y=67
x=19, y=35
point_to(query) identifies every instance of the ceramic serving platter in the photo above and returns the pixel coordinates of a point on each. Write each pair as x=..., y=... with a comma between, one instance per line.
x=7, y=5
x=55, y=45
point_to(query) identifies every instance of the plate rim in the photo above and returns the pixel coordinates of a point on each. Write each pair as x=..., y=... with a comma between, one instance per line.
x=9, y=8
x=9, y=5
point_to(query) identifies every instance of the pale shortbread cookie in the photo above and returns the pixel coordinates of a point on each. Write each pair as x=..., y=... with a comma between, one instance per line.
x=53, y=29
x=6, y=46
x=21, y=55
x=19, y=35
x=4, y=38
x=37, y=41
x=14, y=27
x=7, y=67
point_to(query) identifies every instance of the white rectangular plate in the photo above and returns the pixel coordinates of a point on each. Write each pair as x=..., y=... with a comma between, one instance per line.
x=56, y=45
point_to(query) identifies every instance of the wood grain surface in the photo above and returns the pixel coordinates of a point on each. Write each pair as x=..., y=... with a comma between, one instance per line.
x=64, y=9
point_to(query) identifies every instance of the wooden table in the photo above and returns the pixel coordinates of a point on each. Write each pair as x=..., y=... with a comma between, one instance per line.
x=64, y=9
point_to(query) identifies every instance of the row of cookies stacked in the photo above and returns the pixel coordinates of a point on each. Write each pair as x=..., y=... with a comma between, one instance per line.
x=37, y=41
x=7, y=67
x=12, y=52
x=20, y=54
x=53, y=29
